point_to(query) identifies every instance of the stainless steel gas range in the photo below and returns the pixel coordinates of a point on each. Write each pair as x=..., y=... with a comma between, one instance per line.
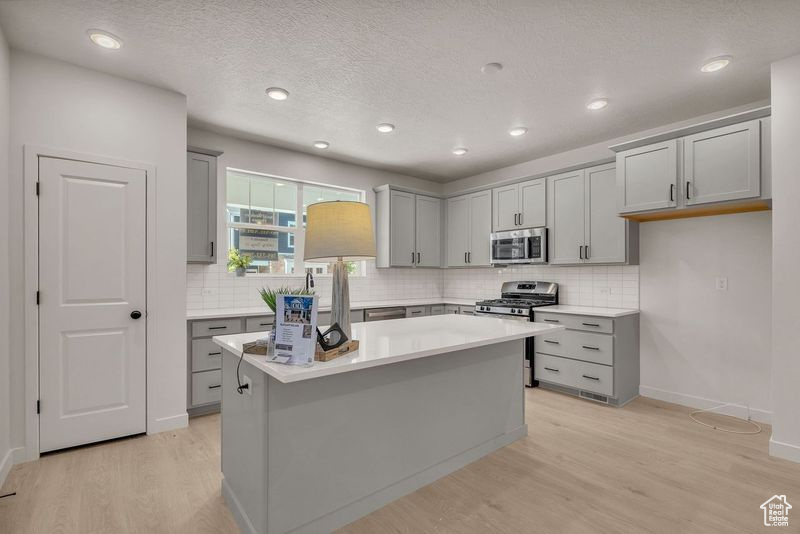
x=517, y=301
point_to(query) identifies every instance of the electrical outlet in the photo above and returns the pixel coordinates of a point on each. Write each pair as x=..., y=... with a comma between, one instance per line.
x=208, y=292
x=722, y=283
x=249, y=389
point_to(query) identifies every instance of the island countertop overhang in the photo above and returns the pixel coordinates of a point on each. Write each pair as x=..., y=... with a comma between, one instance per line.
x=394, y=341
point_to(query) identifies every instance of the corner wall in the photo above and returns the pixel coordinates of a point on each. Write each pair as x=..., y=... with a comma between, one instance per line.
x=785, y=440
x=62, y=106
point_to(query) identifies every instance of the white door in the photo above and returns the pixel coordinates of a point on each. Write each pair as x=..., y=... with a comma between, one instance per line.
x=457, y=231
x=429, y=231
x=401, y=240
x=647, y=177
x=506, y=208
x=91, y=281
x=605, y=230
x=567, y=236
x=533, y=199
x=723, y=164
x=480, y=227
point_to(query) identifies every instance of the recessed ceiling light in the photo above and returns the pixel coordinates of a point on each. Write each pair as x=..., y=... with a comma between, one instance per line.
x=597, y=104
x=491, y=68
x=105, y=39
x=385, y=127
x=716, y=63
x=459, y=151
x=519, y=130
x=322, y=145
x=276, y=93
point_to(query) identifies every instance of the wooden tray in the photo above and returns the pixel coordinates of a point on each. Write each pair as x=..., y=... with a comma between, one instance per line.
x=346, y=348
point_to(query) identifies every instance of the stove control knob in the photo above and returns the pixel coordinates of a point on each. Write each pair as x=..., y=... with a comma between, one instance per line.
x=513, y=310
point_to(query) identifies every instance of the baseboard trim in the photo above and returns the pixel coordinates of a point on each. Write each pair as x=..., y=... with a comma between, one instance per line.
x=692, y=401
x=369, y=503
x=5, y=466
x=787, y=451
x=165, y=424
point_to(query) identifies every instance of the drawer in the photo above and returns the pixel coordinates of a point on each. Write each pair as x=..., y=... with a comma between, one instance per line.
x=417, y=311
x=450, y=308
x=218, y=327
x=206, y=355
x=437, y=310
x=587, y=346
x=572, y=373
x=576, y=322
x=259, y=324
x=206, y=387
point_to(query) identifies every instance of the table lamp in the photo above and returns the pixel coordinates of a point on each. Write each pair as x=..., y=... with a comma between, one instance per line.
x=339, y=231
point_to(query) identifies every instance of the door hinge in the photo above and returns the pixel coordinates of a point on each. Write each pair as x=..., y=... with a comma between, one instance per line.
x=37, y=298
x=37, y=189
x=38, y=406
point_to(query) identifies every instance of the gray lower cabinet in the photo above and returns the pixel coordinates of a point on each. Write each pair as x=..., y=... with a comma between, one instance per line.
x=451, y=308
x=418, y=311
x=594, y=357
x=201, y=208
x=205, y=360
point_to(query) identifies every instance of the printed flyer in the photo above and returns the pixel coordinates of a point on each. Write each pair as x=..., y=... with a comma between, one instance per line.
x=295, y=329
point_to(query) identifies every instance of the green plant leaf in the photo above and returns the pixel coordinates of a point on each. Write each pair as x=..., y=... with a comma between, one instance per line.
x=270, y=296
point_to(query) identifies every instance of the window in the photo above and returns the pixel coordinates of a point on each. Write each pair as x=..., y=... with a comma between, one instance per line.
x=261, y=214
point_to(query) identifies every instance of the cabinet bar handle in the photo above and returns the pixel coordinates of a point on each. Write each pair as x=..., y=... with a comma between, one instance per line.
x=469, y=257
x=672, y=192
x=264, y=324
x=465, y=258
x=412, y=257
x=214, y=353
x=217, y=327
x=214, y=387
x=419, y=257
x=580, y=252
x=551, y=369
x=590, y=377
x=520, y=219
x=212, y=248
x=552, y=321
x=586, y=252
x=552, y=341
x=590, y=348
x=688, y=185
x=590, y=324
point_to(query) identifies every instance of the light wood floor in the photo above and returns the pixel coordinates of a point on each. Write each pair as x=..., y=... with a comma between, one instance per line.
x=583, y=468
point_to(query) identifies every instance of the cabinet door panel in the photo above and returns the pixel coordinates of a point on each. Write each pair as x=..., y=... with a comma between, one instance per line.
x=201, y=208
x=647, y=177
x=428, y=231
x=605, y=230
x=534, y=202
x=457, y=230
x=723, y=164
x=566, y=193
x=480, y=227
x=402, y=229
x=505, y=202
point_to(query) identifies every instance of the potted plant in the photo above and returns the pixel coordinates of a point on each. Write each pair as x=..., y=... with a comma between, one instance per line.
x=269, y=296
x=238, y=262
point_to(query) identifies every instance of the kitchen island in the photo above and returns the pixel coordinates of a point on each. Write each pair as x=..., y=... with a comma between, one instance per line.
x=311, y=449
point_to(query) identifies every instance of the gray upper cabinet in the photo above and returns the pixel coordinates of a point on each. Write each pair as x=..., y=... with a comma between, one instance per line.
x=201, y=209
x=469, y=223
x=647, y=177
x=566, y=194
x=606, y=231
x=722, y=164
x=521, y=205
x=408, y=229
x=428, y=233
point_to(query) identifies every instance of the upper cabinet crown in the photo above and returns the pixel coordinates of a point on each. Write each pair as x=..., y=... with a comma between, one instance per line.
x=408, y=229
x=519, y=205
x=201, y=207
x=706, y=166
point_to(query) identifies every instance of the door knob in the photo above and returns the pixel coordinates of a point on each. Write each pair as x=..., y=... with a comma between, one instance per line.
x=135, y=314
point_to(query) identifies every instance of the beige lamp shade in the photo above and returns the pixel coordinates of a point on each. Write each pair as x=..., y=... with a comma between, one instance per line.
x=339, y=229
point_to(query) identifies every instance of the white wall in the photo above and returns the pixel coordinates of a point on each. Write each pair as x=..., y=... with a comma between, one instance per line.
x=58, y=105
x=5, y=393
x=785, y=85
x=701, y=346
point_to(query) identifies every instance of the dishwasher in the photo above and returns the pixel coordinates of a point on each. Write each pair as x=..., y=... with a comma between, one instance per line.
x=382, y=314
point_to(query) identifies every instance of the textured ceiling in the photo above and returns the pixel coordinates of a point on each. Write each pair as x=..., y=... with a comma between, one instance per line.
x=350, y=64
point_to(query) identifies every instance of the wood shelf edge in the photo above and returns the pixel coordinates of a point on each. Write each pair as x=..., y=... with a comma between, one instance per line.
x=702, y=211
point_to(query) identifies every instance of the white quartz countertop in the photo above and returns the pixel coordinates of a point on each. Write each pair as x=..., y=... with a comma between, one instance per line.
x=587, y=310
x=221, y=313
x=393, y=341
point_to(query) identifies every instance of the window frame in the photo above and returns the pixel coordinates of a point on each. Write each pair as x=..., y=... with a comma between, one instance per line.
x=296, y=233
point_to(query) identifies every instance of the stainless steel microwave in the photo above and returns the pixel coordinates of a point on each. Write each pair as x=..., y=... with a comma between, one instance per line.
x=519, y=246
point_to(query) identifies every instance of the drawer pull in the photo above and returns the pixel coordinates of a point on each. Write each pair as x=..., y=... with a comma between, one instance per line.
x=552, y=321
x=591, y=324
x=214, y=353
x=416, y=312
x=264, y=324
x=551, y=369
x=217, y=327
x=590, y=348
x=552, y=341
x=590, y=377
x=215, y=387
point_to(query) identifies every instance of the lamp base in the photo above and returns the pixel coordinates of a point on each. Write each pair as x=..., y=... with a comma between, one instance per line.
x=340, y=299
